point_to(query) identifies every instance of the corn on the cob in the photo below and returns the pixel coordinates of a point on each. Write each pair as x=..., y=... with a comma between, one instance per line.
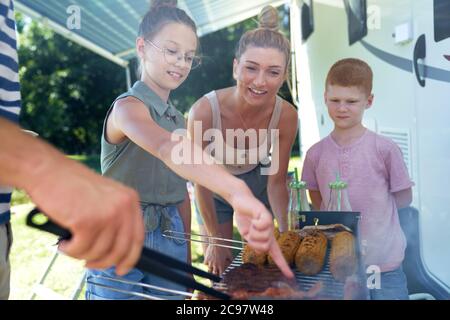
x=288, y=242
x=251, y=256
x=310, y=256
x=276, y=233
x=342, y=256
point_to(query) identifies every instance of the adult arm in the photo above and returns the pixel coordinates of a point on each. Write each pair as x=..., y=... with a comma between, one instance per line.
x=133, y=119
x=103, y=216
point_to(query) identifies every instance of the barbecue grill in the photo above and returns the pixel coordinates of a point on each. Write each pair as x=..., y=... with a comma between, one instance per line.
x=157, y=263
x=150, y=261
x=355, y=288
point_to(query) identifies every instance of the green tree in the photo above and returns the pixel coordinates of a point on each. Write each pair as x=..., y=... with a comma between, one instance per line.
x=66, y=89
x=218, y=49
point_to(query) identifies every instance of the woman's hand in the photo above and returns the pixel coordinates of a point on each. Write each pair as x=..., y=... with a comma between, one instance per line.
x=255, y=224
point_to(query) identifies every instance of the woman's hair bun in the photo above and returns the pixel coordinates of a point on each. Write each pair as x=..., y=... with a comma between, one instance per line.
x=268, y=18
x=163, y=3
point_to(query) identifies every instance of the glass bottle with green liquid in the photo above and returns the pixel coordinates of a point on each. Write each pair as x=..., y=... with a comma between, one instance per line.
x=338, y=196
x=298, y=202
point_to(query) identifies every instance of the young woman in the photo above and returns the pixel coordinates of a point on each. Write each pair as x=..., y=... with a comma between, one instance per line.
x=247, y=109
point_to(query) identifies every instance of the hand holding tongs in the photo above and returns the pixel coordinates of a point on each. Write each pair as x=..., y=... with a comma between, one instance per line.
x=150, y=261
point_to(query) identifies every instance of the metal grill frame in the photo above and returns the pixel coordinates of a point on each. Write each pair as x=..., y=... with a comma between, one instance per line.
x=332, y=289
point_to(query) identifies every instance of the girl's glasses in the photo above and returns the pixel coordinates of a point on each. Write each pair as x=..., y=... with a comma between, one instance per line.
x=172, y=56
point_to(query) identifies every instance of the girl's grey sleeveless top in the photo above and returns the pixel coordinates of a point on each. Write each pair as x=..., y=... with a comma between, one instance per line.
x=131, y=165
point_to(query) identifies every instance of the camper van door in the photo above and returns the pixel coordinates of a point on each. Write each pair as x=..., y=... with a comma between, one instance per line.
x=432, y=114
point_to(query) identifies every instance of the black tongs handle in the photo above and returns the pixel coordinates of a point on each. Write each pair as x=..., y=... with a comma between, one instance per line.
x=150, y=261
x=46, y=225
x=174, y=263
x=163, y=270
x=150, y=254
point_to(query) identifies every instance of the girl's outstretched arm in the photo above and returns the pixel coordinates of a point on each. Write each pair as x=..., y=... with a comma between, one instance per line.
x=132, y=118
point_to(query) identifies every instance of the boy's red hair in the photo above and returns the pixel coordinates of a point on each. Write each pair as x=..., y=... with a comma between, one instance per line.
x=351, y=73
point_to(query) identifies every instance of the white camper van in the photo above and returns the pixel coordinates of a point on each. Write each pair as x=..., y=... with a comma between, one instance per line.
x=407, y=44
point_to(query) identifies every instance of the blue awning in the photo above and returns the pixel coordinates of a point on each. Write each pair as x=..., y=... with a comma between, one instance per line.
x=109, y=27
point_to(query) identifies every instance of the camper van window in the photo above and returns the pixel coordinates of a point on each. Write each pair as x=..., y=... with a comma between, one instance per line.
x=307, y=19
x=357, y=19
x=441, y=20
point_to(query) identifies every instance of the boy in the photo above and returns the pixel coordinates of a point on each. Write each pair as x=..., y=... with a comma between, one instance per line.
x=373, y=167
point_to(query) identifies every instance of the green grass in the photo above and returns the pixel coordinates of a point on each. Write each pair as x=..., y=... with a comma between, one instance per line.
x=30, y=255
x=19, y=197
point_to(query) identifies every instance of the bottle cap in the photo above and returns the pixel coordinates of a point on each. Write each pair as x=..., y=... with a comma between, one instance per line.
x=297, y=185
x=337, y=185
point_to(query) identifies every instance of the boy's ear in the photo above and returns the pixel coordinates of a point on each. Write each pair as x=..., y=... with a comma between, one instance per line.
x=140, y=43
x=370, y=101
x=235, y=65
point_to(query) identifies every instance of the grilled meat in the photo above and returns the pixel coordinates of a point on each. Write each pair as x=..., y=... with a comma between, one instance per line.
x=285, y=293
x=253, y=278
x=252, y=281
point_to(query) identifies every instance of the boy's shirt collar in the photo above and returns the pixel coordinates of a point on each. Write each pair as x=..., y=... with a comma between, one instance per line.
x=351, y=145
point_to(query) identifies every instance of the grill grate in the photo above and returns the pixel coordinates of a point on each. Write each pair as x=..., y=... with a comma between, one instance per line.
x=331, y=289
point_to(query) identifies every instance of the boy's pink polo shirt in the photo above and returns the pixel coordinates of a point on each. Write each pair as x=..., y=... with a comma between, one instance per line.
x=374, y=169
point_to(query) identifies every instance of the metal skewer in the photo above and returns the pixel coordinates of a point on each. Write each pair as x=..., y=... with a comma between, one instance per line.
x=145, y=285
x=188, y=237
x=137, y=294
